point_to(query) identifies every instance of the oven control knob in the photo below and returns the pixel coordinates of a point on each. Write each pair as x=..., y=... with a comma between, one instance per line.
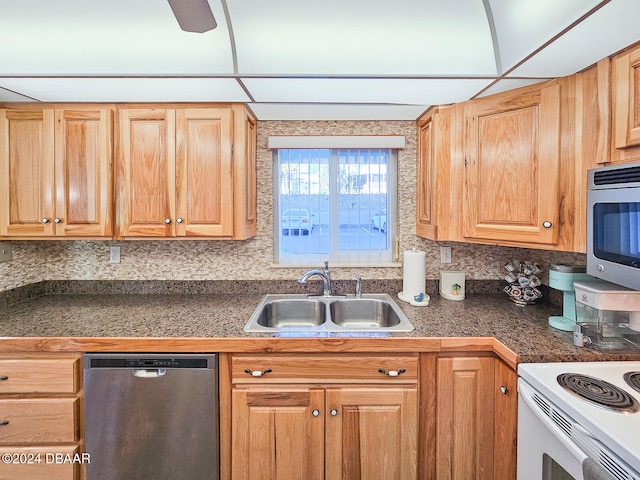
x=600, y=267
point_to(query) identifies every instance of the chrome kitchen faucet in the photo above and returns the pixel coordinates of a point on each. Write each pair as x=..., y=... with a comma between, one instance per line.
x=324, y=274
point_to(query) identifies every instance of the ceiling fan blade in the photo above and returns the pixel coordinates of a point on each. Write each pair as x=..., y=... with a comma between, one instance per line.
x=193, y=15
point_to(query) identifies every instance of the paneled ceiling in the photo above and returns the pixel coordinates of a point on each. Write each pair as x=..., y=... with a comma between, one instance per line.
x=303, y=60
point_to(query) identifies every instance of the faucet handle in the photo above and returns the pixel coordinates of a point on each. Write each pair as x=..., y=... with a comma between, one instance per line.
x=358, y=280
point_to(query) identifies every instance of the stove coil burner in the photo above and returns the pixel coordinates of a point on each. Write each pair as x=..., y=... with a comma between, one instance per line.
x=599, y=392
x=633, y=379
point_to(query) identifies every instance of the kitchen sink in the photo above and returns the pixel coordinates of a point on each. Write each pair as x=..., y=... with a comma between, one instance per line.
x=302, y=313
x=362, y=313
x=292, y=313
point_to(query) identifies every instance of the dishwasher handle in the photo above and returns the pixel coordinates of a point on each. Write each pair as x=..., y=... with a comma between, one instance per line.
x=149, y=372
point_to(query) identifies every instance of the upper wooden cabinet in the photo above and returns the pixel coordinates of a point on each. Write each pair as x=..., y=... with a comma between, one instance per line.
x=512, y=167
x=56, y=175
x=626, y=99
x=186, y=172
x=433, y=174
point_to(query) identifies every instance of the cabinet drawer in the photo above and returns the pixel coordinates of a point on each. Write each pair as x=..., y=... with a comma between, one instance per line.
x=39, y=375
x=320, y=368
x=38, y=420
x=40, y=463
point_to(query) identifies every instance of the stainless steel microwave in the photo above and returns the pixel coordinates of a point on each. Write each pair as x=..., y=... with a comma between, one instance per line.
x=613, y=224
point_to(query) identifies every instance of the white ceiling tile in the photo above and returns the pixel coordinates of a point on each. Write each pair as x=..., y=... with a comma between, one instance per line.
x=610, y=29
x=523, y=26
x=363, y=90
x=299, y=111
x=114, y=37
x=9, y=96
x=370, y=37
x=128, y=89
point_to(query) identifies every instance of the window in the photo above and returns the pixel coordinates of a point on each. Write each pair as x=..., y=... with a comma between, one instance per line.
x=335, y=204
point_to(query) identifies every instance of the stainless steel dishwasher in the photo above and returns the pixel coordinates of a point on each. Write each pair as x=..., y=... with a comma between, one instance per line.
x=151, y=416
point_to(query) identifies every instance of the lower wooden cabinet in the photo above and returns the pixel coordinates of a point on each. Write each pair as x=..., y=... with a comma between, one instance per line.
x=476, y=419
x=318, y=425
x=40, y=434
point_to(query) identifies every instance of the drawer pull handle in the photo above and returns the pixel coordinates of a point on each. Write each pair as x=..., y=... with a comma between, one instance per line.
x=4, y=422
x=392, y=373
x=3, y=378
x=257, y=373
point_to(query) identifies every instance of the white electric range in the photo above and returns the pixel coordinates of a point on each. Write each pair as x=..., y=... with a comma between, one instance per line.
x=579, y=421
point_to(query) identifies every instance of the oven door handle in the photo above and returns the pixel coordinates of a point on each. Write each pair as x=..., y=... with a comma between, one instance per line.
x=526, y=393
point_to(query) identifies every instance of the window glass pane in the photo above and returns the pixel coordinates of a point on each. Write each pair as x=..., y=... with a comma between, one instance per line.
x=334, y=205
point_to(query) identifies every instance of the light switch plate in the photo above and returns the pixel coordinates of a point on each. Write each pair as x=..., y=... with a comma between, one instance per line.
x=445, y=254
x=5, y=252
x=114, y=255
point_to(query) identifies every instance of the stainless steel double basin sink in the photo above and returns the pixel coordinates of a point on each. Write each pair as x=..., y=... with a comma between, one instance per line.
x=302, y=313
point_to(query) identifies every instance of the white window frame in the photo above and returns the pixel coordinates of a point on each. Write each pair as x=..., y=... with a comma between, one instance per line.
x=386, y=257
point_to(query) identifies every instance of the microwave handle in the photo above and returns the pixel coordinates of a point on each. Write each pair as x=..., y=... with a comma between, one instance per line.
x=525, y=392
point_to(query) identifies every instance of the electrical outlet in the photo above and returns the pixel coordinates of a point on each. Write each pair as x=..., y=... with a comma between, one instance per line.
x=445, y=254
x=114, y=255
x=5, y=252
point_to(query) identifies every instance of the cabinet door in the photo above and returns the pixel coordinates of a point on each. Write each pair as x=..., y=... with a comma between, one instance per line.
x=204, y=179
x=465, y=416
x=371, y=433
x=505, y=421
x=83, y=172
x=626, y=99
x=433, y=187
x=275, y=434
x=511, y=168
x=27, y=172
x=146, y=173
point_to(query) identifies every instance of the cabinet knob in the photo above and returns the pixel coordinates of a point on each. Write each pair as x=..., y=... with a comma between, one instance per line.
x=333, y=412
x=45, y=220
x=3, y=378
x=392, y=373
x=179, y=220
x=257, y=373
x=57, y=220
x=4, y=422
x=504, y=389
x=315, y=412
x=167, y=221
x=547, y=224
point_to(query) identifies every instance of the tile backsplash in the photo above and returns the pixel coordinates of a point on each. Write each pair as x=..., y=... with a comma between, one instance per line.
x=252, y=259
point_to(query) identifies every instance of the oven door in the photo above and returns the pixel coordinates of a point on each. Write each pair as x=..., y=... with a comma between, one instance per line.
x=545, y=452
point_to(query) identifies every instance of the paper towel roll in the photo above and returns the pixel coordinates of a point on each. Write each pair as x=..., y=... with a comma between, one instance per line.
x=413, y=274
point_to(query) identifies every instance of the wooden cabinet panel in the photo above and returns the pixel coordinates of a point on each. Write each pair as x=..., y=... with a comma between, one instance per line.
x=147, y=172
x=204, y=180
x=187, y=172
x=83, y=172
x=626, y=99
x=44, y=463
x=275, y=434
x=56, y=172
x=27, y=167
x=505, y=421
x=38, y=420
x=39, y=375
x=465, y=418
x=297, y=368
x=511, y=168
x=371, y=433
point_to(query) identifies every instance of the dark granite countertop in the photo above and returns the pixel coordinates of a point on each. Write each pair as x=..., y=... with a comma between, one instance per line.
x=523, y=330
